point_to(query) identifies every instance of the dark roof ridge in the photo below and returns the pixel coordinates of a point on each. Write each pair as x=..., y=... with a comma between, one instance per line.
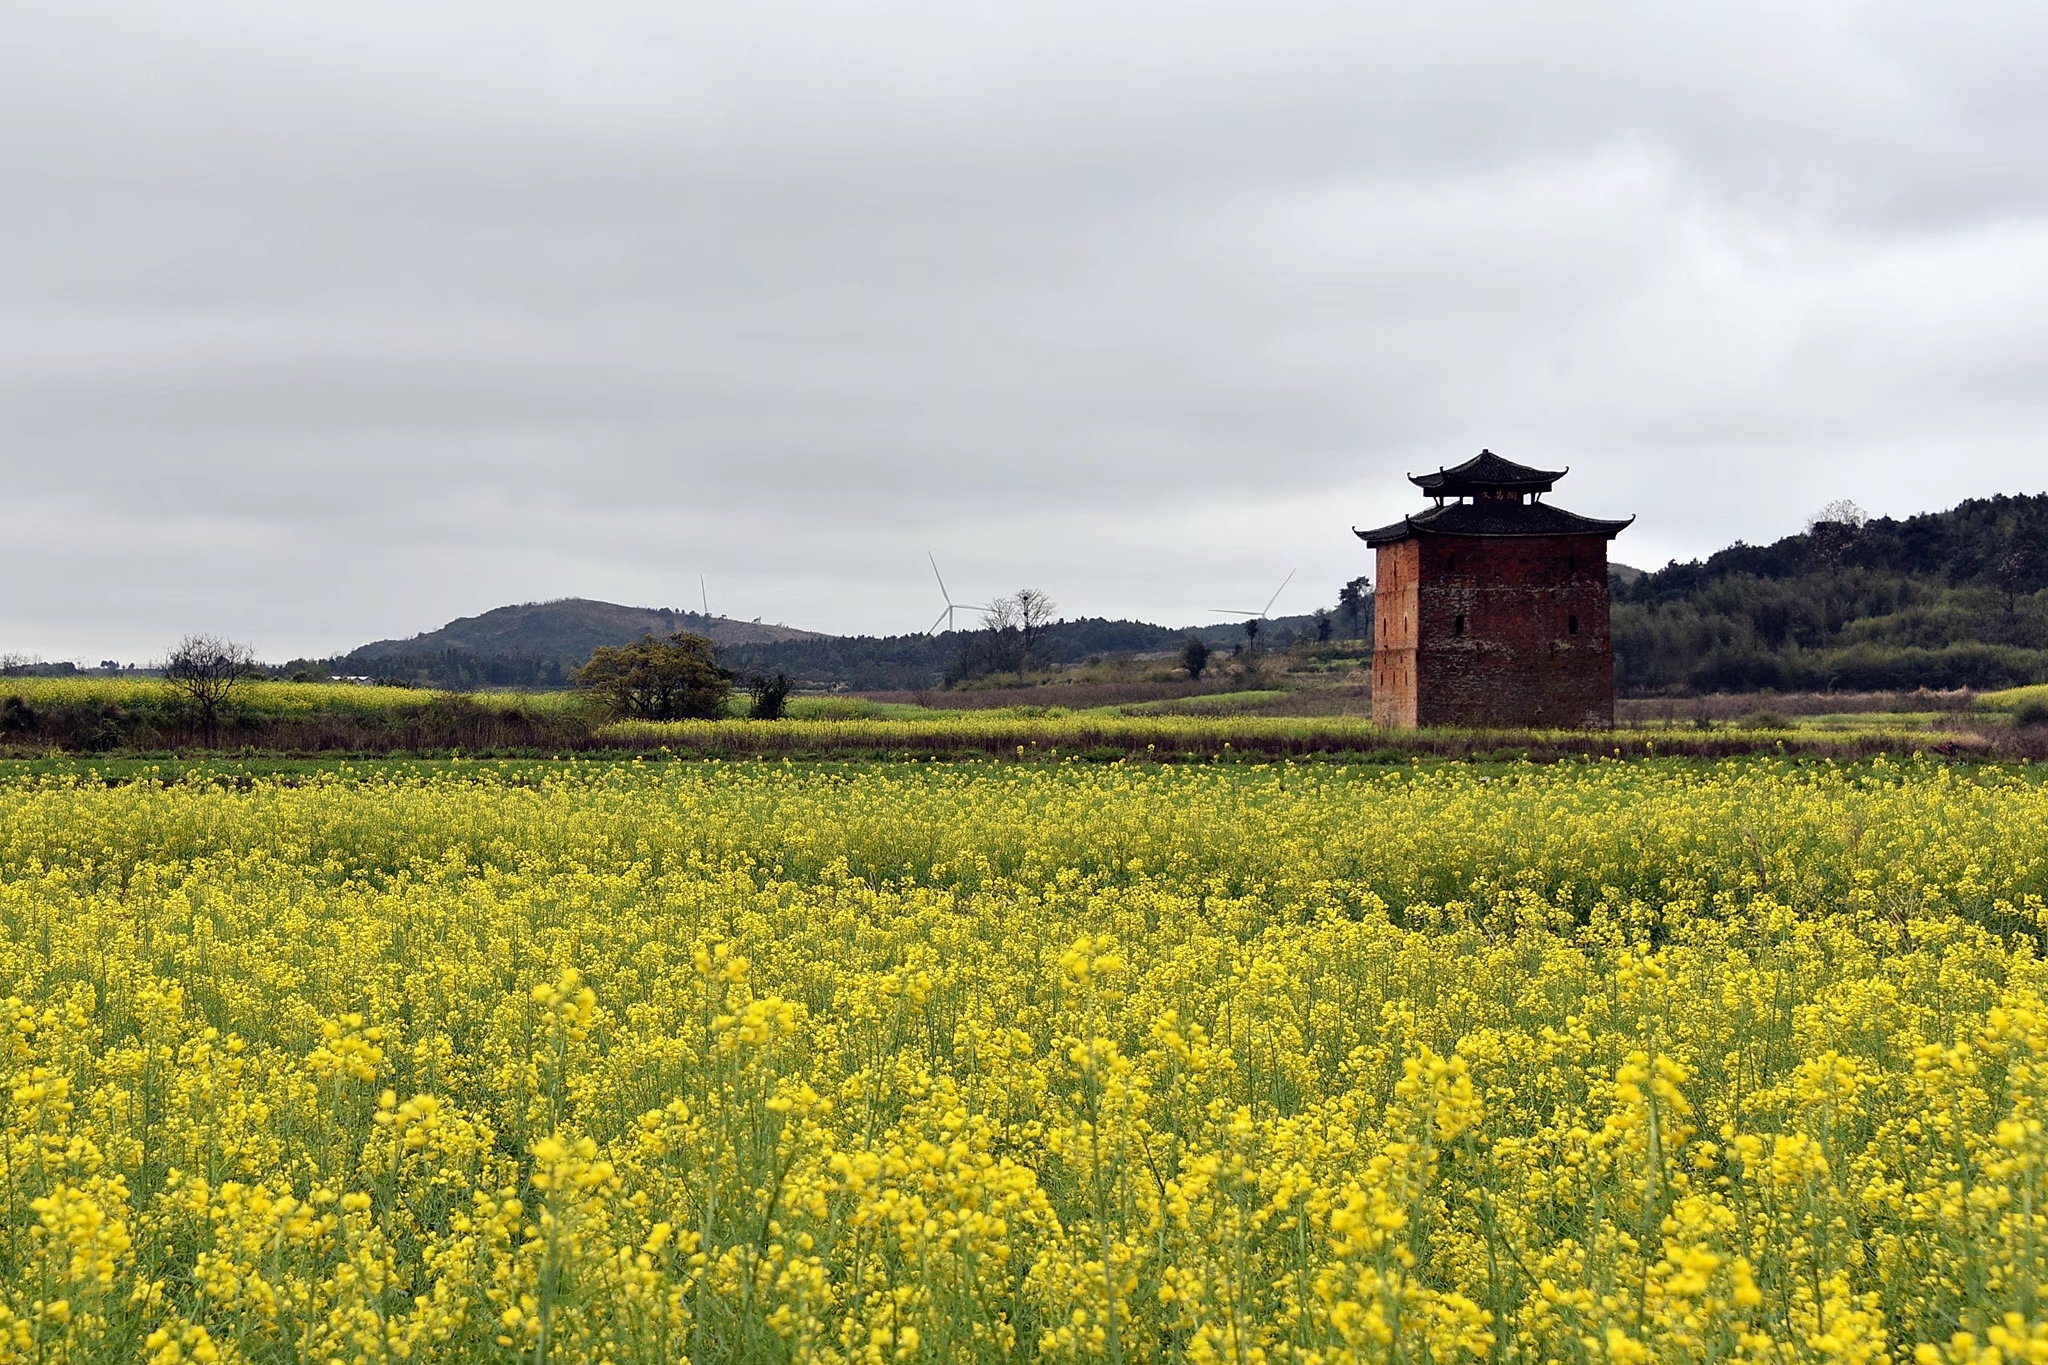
x=1480, y=519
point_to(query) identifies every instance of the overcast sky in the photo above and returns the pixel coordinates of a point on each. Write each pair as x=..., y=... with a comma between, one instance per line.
x=327, y=322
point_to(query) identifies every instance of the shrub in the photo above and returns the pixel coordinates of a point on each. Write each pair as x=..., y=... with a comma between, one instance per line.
x=17, y=717
x=770, y=697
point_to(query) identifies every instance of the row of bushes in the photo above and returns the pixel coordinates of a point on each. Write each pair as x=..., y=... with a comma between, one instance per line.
x=437, y=723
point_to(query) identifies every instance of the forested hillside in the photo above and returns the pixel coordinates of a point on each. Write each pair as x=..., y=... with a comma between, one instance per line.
x=1944, y=599
x=540, y=644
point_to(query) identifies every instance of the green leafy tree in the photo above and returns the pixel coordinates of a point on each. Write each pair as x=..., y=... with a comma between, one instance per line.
x=770, y=697
x=1194, y=657
x=670, y=678
x=1354, y=601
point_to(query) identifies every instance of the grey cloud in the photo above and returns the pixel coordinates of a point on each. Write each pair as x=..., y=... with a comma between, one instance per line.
x=318, y=323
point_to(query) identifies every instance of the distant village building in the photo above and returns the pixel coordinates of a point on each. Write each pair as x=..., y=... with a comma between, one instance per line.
x=1491, y=607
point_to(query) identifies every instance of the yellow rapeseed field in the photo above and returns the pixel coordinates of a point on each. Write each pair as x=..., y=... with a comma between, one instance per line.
x=266, y=698
x=752, y=1062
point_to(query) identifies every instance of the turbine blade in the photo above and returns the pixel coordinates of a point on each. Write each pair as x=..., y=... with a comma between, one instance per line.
x=1277, y=591
x=942, y=582
x=940, y=617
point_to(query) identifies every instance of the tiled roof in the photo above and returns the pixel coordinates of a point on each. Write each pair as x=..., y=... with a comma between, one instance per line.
x=1486, y=471
x=1493, y=519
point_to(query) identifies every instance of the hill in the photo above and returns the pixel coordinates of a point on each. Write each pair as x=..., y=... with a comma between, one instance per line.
x=1957, y=598
x=1948, y=599
x=538, y=644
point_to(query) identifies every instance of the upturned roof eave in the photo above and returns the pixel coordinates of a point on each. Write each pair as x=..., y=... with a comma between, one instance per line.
x=1385, y=535
x=1446, y=481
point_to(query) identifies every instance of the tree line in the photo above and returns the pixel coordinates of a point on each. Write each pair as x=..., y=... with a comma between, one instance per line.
x=1942, y=600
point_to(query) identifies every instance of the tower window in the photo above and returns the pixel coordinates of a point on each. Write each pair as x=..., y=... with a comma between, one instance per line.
x=1451, y=563
x=1571, y=623
x=1572, y=564
x=1458, y=625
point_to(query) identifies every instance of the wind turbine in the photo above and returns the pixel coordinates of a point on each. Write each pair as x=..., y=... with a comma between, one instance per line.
x=951, y=605
x=1252, y=618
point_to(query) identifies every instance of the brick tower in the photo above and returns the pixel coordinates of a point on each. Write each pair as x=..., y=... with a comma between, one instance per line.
x=1491, y=607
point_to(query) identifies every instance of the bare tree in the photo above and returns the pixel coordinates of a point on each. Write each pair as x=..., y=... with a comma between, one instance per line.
x=1034, y=614
x=1000, y=614
x=1833, y=530
x=1003, y=646
x=1011, y=627
x=1840, y=512
x=208, y=670
x=2017, y=574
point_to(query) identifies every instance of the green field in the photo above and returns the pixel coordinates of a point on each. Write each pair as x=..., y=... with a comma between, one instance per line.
x=134, y=716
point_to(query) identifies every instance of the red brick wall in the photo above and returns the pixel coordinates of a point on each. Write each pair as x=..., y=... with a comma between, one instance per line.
x=1492, y=639
x=1393, y=642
